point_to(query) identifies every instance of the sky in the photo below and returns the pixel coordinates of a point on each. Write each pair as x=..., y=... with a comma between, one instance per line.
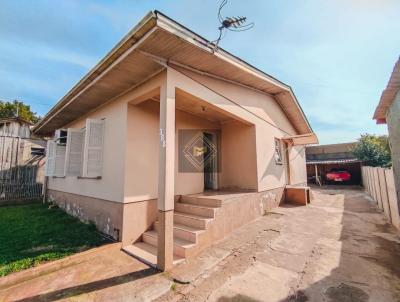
x=337, y=55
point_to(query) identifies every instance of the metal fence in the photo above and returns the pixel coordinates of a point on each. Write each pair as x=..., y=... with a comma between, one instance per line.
x=21, y=169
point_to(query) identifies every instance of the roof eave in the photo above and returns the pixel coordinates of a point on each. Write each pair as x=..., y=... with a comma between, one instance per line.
x=157, y=19
x=102, y=64
x=207, y=45
x=388, y=95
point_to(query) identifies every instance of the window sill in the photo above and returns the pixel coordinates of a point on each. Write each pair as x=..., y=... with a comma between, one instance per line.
x=86, y=177
x=57, y=176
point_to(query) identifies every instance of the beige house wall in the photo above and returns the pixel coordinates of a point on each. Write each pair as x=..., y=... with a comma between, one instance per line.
x=142, y=152
x=259, y=109
x=261, y=106
x=393, y=122
x=141, y=163
x=298, y=169
x=111, y=185
x=239, y=164
x=137, y=218
x=131, y=152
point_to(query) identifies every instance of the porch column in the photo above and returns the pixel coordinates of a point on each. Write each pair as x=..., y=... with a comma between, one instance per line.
x=166, y=178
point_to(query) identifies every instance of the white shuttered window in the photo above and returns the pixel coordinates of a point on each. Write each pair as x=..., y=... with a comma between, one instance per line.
x=74, y=152
x=59, y=160
x=50, y=157
x=93, y=151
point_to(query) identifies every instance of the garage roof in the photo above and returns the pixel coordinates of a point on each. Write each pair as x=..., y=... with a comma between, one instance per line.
x=131, y=62
x=333, y=161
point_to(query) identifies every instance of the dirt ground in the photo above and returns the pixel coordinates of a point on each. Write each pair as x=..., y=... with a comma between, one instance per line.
x=339, y=248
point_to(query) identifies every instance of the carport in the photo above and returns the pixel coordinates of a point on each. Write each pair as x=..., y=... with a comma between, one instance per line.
x=317, y=169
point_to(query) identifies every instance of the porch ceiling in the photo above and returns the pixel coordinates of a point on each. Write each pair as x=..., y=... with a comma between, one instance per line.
x=155, y=42
x=196, y=106
x=191, y=104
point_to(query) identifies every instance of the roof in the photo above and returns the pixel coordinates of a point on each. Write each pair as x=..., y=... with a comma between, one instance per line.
x=333, y=161
x=302, y=139
x=330, y=148
x=388, y=95
x=15, y=119
x=331, y=154
x=136, y=58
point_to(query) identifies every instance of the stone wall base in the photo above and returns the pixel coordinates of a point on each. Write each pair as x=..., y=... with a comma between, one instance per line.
x=106, y=215
x=126, y=222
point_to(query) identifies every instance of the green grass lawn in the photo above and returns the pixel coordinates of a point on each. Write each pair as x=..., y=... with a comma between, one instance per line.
x=32, y=234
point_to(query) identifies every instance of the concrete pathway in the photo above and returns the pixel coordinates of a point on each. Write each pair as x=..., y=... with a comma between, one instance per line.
x=100, y=274
x=339, y=248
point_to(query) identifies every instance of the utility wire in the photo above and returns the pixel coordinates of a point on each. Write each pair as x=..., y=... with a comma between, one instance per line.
x=230, y=100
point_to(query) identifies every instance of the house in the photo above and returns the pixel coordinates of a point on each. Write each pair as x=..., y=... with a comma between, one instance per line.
x=388, y=112
x=321, y=159
x=170, y=143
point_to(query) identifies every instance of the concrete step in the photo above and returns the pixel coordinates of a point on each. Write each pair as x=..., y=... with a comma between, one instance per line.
x=181, y=246
x=194, y=221
x=183, y=231
x=208, y=212
x=147, y=253
x=201, y=201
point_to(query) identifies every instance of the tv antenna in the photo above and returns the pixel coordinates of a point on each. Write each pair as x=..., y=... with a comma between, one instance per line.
x=235, y=24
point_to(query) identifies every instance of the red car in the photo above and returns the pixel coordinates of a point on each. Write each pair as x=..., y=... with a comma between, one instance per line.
x=338, y=175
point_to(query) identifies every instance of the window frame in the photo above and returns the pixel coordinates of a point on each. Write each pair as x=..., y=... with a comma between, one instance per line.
x=278, y=151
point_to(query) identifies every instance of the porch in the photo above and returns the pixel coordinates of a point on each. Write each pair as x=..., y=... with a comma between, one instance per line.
x=213, y=148
x=200, y=220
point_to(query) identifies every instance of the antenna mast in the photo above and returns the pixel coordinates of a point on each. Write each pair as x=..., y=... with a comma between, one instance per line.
x=230, y=23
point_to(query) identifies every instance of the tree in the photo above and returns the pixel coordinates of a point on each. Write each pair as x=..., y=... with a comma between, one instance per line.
x=17, y=108
x=373, y=150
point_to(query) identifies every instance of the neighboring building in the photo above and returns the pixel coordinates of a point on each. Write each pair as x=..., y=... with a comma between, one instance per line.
x=168, y=137
x=17, y=144
x=15, y=127
x=325, y=158
x=388, y=112
x=21, y=161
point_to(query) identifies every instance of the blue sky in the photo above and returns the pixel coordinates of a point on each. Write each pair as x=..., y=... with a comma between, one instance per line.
x=337, y=55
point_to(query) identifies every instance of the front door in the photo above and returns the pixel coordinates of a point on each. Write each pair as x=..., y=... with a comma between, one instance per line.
x=210, y=161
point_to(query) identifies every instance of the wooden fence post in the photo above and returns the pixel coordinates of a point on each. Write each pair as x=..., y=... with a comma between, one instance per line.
x=392, y=198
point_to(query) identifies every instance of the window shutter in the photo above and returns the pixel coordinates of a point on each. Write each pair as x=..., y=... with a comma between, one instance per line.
x=50, y=152
x=74, y=152
x=93, y=152
x=59, y=160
